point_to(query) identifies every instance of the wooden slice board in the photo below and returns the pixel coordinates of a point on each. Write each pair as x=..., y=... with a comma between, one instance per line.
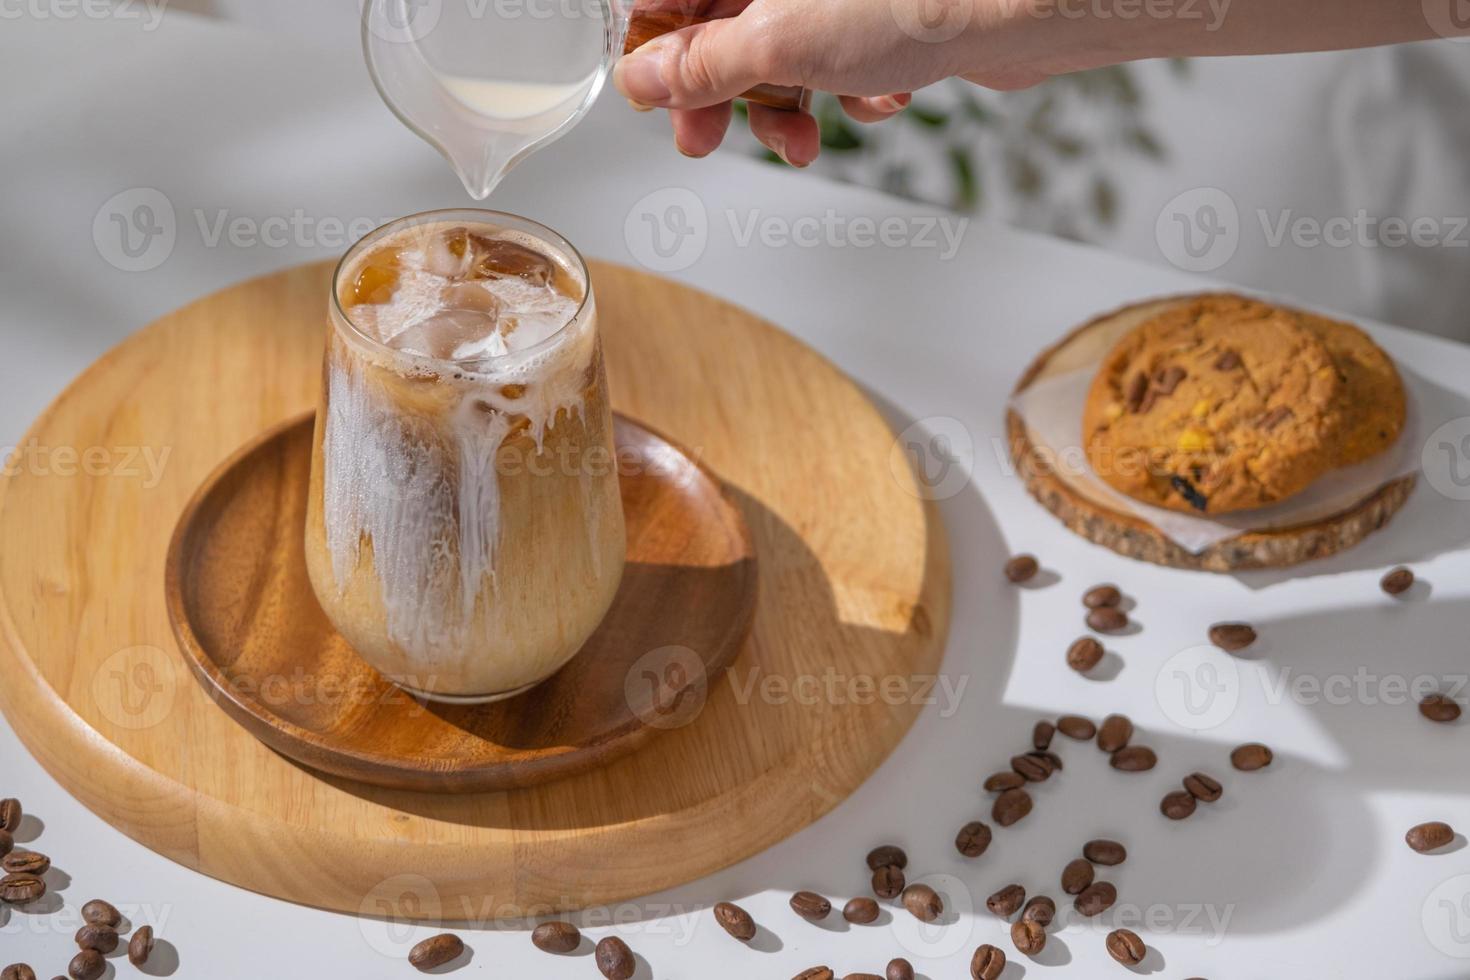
x=1083, y=510
x=854, y=577
x=245, y=616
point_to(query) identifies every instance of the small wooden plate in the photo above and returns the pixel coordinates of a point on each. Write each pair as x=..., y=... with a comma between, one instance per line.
x=1077, y=504
x=245, y=615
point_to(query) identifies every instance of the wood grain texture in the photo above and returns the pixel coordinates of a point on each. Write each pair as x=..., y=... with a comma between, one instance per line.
x=854, y=578
x=246, y=618
x=1077, y=504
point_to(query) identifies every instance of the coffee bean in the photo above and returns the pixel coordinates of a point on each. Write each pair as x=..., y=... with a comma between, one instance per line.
x=973, y=839
x=26, y=863
x=1096, y=898
x=860, y=911
x=923, y=902
x=1397, y=581
x=1100, y=596
x=1040, y=910
x=86, y=965
x=435, y=951
x=1005, y=902
x=1115, y=732
x=18, y=971
x=1251, y=756
x=21, y=889
x=1429, y=836
x=1125, y=947
x=1105, y=852
x=736, y=921
x=1202, y=787
x=1134, y=758
x=7, y=843
x=1002, y=781
x=1232, y=637
x=988, y=963
x=1041, y=735
x=814, y=973
x=899, y=969
x=862, y=976
x=1177, y=805
x=1051, y=759
x=1076, y=876
x=10, y=814
x=1033, y=769
x=885, y=855
x=1029, y=937
x=1084, y=654
x=615, y=960
x=1022, y=568
x=559, y=936
x=810, y=906
x=1437, y=707
x=101, y=913
x=1107, y=619
x=101, y=938
x=140, y=946
x=1011, y=806
x=1076, y=726
x=888, y=881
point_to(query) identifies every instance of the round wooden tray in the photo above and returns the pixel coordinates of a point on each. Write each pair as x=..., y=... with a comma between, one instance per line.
x=244, y=613
x=854, y=578
x=1077, y=504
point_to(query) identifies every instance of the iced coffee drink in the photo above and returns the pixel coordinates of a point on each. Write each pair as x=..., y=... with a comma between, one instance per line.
x=464, y=532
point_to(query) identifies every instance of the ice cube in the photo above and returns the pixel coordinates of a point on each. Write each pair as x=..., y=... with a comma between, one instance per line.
x=446, y=335
x=469, y=296
x=499, y=258
x=377, y=279
x=447, y=254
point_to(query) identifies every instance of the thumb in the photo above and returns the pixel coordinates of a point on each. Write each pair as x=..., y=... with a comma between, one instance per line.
x=700, y=65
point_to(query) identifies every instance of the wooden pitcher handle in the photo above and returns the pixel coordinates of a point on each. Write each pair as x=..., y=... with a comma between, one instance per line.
x=645, y=25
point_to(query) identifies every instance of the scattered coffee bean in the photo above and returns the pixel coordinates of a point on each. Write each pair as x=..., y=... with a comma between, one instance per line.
x=1177, y=805
x=1250, y=757
x=1076, y=726
x=140, y=946
x=1040, y=910
x=1052, y=759
x=1115, y=732
x=1134, y=758
x=86, y=965
x=810, y=906
x=1107, y=619
x=1029, y=937
x=1429, y=836
x=7, y=843
x=10, y=814
x=860, y=911
x=1033, y=769
x=435, y=951
x=1096, y=898
x=899, y=969
x=1397, y=581
x=101, y=938
x=923, y=902
x=1041, y=735
x=885, y=855
x=615, y=960
x=559, y=936
x=18, y=971
x=1202, y=787
x=1003, y=781
x=1125, y=947
x=733, y=919
x=1076, y=876
x=101, y=913
x=888, y=881
x=1022, y=568
x=1011, y=806
x=26, y=863
x=973, y=838
x=1084, y=654
x=21, y=889
x=1100, y=596
x=1005, y=902
x=1105, y=852
x=862, y=976
x=1232, y=637
x=814, y=973
x=1437, y=707
x=988, y=963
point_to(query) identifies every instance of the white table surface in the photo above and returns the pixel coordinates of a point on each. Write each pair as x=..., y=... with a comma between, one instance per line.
x=1300, y=870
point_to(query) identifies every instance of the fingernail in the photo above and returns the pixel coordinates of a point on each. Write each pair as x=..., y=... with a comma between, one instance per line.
x=639, y=106
x=777, y=146
x=639, y=75
x=894, y=103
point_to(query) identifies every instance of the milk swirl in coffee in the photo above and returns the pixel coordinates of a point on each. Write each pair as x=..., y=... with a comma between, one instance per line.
x=465, y=531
